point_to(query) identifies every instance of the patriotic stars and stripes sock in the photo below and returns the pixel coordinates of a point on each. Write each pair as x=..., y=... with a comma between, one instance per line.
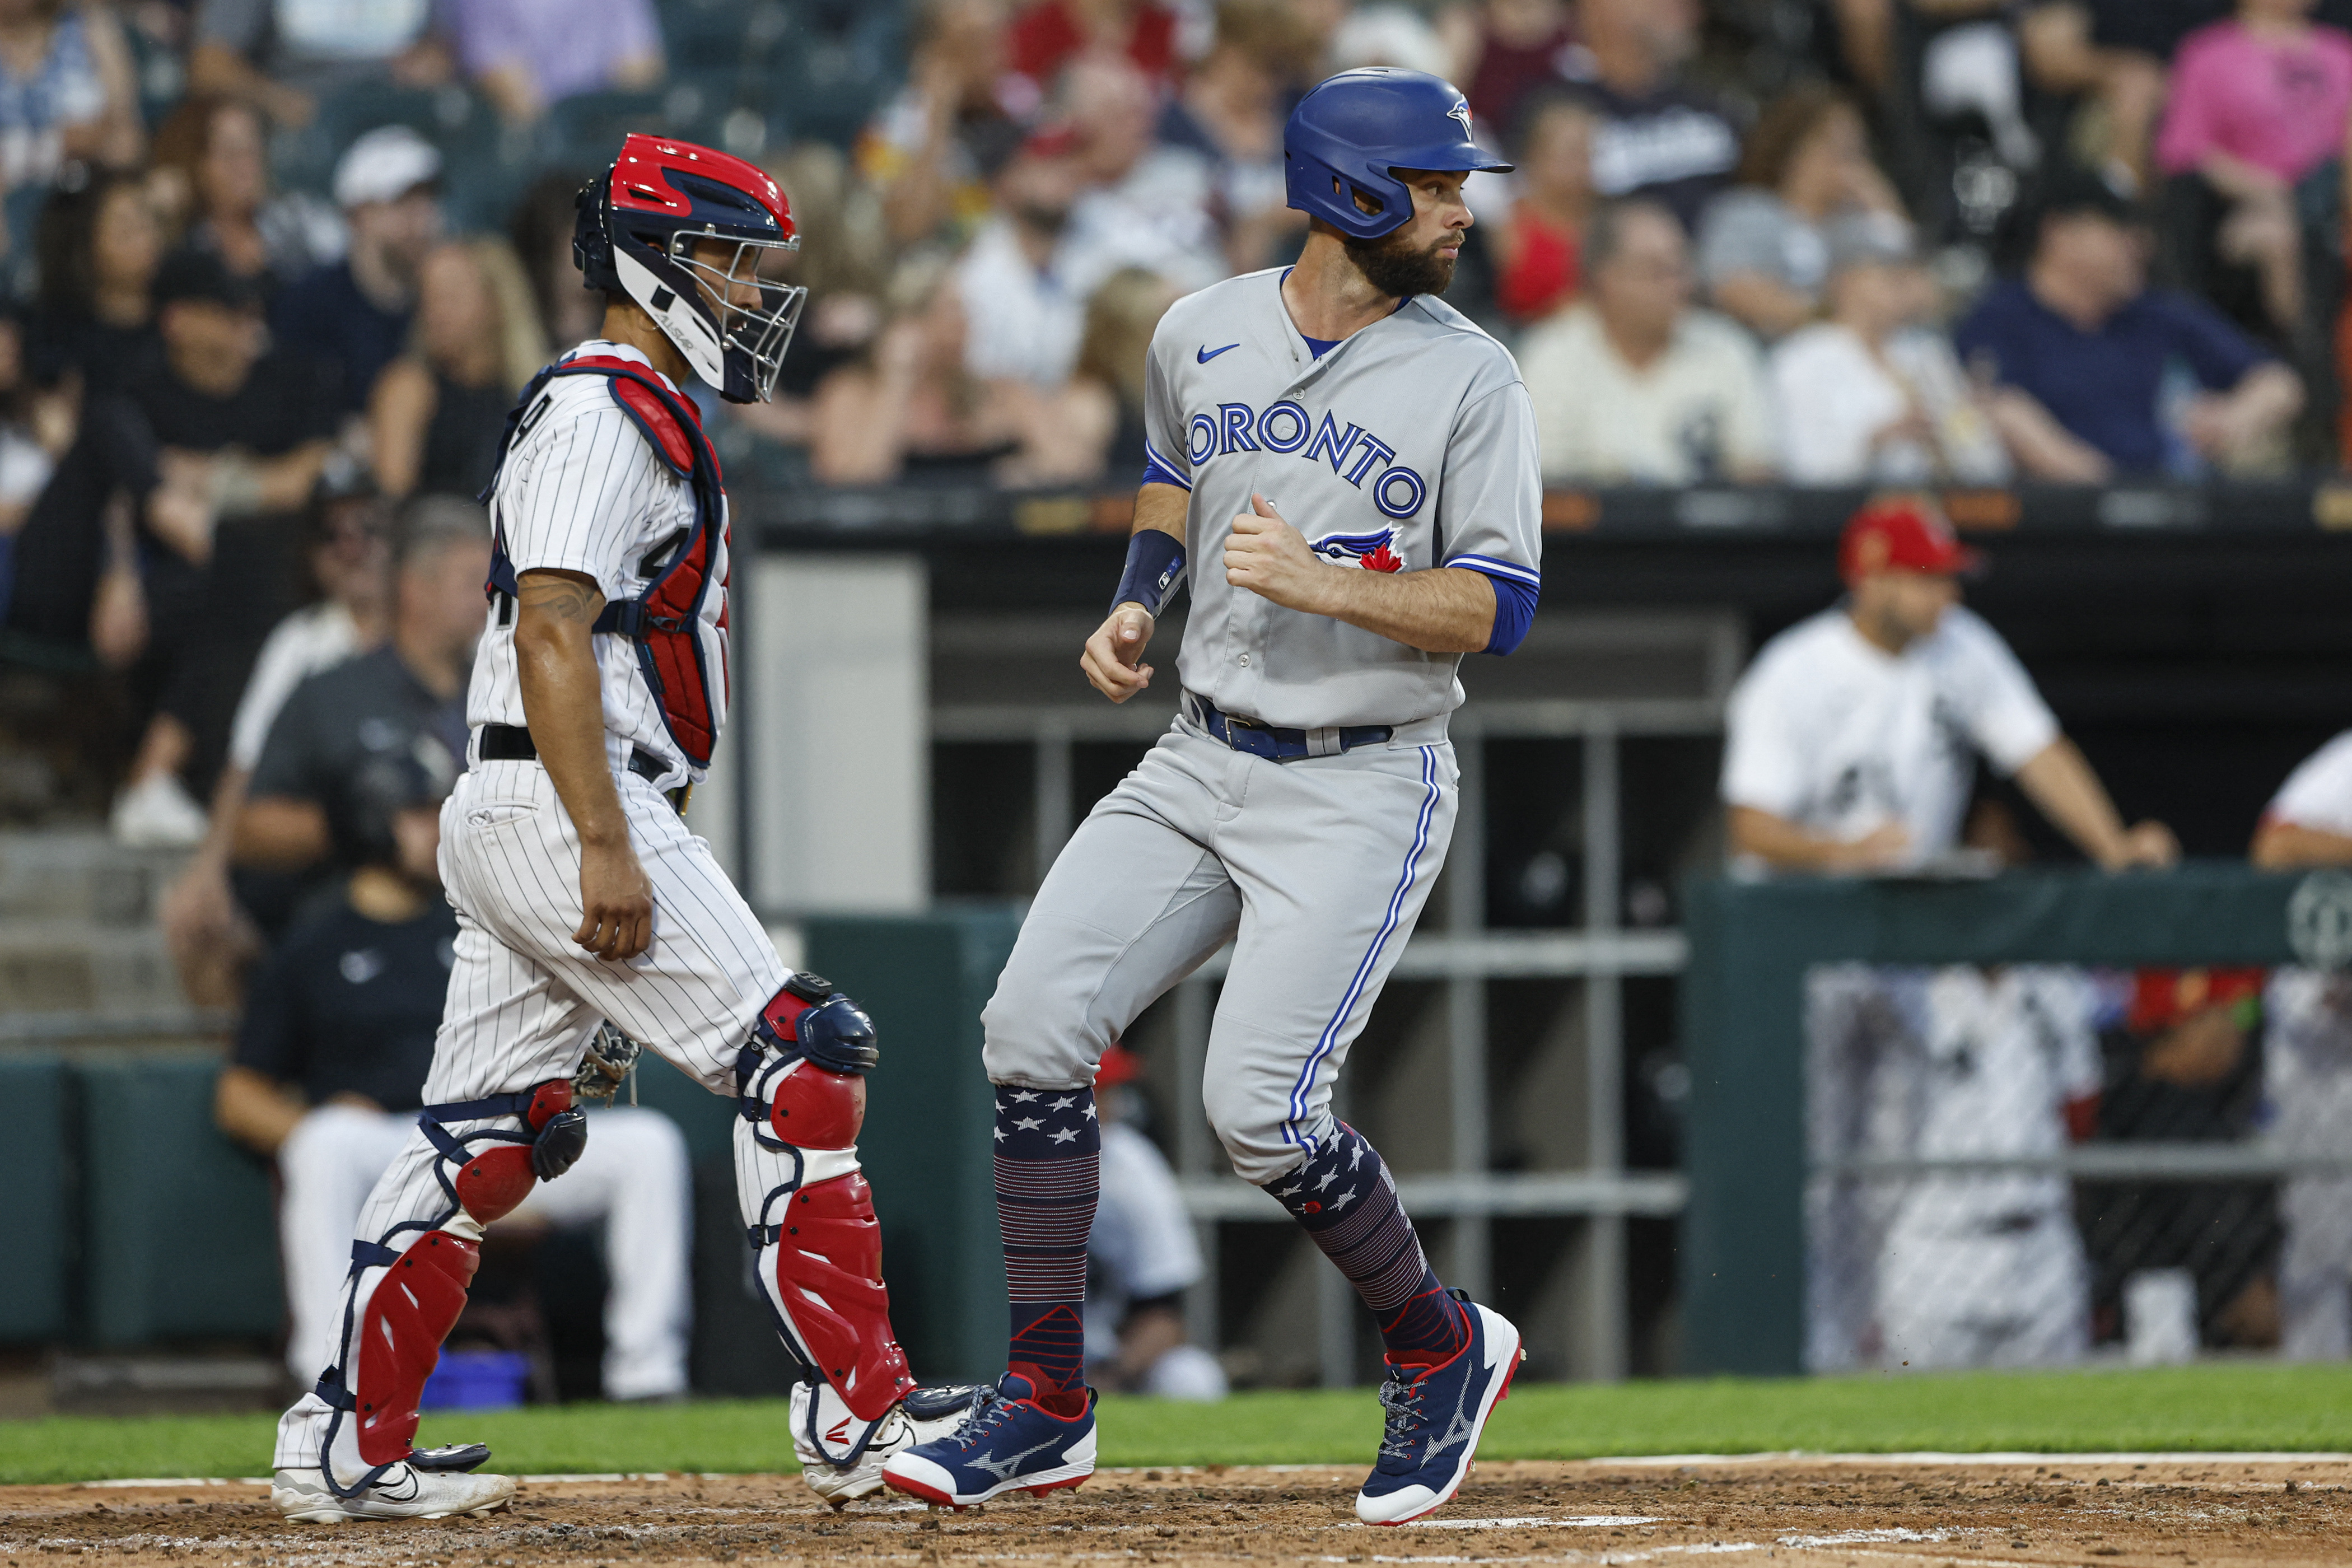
x=1048, y=1175
x=1344, y=1198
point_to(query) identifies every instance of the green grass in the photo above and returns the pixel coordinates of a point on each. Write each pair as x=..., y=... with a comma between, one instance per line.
x=2222, y=1407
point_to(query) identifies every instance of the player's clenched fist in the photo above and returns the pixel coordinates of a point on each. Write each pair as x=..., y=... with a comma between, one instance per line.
x=1112, y=654
x=1271, y=559
x=616, y=902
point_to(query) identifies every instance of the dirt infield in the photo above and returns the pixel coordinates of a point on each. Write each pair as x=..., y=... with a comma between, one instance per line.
x=2108, y=1512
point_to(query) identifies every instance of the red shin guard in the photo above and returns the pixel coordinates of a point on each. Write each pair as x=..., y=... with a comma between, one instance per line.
x=829, y=1282
x=413, y=1309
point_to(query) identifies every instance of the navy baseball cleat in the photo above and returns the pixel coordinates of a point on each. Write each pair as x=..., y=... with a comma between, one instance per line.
x=1009, y=1443
x=1435, y=1415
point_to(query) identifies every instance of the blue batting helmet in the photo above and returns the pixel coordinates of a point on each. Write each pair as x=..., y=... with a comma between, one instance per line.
x=1352, y=129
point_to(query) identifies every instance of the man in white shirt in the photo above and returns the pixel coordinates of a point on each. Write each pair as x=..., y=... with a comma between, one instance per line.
x=2307, y=1068
x=1636, y=387
x=1058, y=231
x=1852, y=739
x=1851, y=747
x=1874, y=395
x=1146, y=203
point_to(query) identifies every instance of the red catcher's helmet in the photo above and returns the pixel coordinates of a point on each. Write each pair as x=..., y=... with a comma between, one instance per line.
x=639, y=227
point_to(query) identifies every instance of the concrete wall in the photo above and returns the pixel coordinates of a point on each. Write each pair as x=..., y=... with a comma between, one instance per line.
x=834, y=726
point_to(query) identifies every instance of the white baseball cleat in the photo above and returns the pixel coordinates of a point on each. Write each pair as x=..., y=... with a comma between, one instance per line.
x=825, y=1437
x=402, y=1491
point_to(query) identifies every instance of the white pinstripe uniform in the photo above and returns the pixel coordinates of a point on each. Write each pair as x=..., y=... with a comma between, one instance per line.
x=581, y=491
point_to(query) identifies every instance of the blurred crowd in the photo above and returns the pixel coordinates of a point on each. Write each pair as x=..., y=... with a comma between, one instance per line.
x=1973, y=242
x=256, y=291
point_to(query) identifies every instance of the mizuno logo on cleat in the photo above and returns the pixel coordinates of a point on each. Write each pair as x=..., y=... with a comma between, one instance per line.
x=1457, y=1430
x=1205, y=354
x=1003, y=1469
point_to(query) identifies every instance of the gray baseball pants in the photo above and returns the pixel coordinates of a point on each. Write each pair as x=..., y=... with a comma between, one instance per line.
x=1315, y=870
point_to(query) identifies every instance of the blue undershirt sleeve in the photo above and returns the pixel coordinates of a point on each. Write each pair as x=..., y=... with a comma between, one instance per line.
x=1515, y=607
x=1158, y=471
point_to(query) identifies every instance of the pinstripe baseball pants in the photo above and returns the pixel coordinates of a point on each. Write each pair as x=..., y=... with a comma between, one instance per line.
x=1315, y=870
x=523, y=998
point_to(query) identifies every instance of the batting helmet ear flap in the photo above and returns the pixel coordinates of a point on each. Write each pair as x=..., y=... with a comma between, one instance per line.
x=1366, y=202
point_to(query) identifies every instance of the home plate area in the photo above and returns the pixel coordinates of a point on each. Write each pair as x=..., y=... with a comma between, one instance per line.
x=2100, y=1512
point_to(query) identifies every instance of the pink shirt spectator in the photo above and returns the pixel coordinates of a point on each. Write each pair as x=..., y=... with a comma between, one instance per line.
x=2278, y=106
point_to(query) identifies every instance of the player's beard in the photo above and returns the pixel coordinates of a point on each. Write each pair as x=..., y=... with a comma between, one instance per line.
x=1392, y=265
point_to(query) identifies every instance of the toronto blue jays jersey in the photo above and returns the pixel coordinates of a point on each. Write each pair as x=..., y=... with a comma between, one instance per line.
x=1408, y=446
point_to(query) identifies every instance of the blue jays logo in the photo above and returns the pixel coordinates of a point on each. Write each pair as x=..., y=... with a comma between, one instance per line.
x=1460, y=112
x=1368, y=551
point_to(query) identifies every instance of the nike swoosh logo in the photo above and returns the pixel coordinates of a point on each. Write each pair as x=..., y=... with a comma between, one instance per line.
x=1205, y=354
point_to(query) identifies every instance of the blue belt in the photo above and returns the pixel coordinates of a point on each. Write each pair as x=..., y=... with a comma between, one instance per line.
x=1284, y=745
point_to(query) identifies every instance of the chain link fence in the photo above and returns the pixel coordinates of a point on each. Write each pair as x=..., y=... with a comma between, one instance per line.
x=2034, y=1164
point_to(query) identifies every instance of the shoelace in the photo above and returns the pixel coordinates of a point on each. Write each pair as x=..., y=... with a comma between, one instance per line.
x=988, y=1408
x=1402, y=1400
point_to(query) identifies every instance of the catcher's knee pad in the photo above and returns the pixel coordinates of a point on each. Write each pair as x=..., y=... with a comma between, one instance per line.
x=490, y=1181
x=810, y=1108
x=413, y=1309
x=801, y=1077
x=821, y=1262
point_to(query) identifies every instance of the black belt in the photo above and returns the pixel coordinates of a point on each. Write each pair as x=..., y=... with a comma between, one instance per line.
x=512, y=744
x=1283, y=745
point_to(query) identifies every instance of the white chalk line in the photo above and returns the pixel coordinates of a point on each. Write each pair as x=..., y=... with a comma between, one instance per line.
x=1785, y=1456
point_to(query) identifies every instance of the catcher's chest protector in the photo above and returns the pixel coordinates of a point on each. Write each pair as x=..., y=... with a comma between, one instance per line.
x=679, y=621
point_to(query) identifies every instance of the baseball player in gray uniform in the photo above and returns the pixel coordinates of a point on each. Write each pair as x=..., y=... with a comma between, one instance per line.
x=1344, y=469
x=582, y=897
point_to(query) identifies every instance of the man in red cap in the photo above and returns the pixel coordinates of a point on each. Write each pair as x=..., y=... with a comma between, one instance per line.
x=1852, y=747
x=1852, y=738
